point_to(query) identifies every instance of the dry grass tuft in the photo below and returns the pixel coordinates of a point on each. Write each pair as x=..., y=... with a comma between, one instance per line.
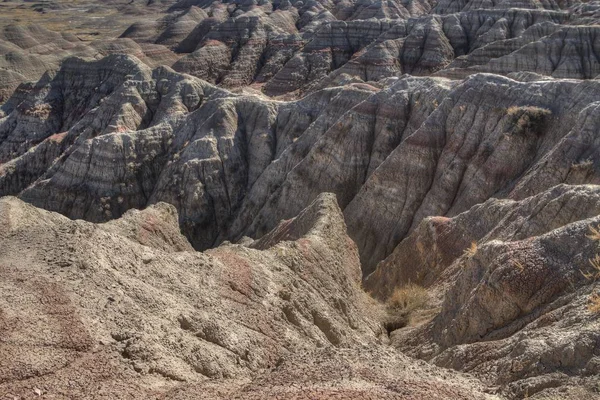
x=527, y=117
x=408, y=298
x=594, y=305
x=402, y=303
x=472, y=250
x=531, y=110
x=512, y=110
x=594, y=233
x=594, y=273
x=583, y=166
x=519, y=265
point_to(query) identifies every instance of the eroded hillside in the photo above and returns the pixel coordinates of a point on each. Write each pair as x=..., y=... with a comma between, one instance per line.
x=341, y=199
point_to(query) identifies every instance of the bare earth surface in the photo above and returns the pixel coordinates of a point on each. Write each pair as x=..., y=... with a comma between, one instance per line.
x=119, y=310
x=300, y=199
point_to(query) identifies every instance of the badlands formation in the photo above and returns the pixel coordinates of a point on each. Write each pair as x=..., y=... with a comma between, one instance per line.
x=300, y=199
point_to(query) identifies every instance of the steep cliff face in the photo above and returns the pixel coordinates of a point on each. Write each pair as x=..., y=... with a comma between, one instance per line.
x=518, y=283
x=234, y=165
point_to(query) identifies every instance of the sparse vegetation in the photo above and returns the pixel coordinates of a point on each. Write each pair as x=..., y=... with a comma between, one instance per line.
x=594, y=305
x=594, y=233
x=518, y=265
x=532, y=110
x=472, y=250
x=408, y=298
x=512, y=110
x=402, y=303
x=583, y=165
x=527, y=116
x=594, y=273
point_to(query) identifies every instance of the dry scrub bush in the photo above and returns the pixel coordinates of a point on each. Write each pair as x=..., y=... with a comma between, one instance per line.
x=408, y=298
x=527, y=117
x=518, y=265
x=531, y=110
x=402, y=303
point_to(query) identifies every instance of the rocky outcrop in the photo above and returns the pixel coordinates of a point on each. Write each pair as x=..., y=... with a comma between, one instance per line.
x=331, y=47
x=28, y=52
x=235, y=165
x=120, y=309
x=566, y=52
x=236, y=50
x=457, y=140
x=299, y=48
x=517, y=282
x=439, y=44
x=296, y=47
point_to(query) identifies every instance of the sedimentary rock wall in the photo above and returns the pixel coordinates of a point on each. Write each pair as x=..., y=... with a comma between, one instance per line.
x=234, y=165
x=457, y=141
x=517, y=279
